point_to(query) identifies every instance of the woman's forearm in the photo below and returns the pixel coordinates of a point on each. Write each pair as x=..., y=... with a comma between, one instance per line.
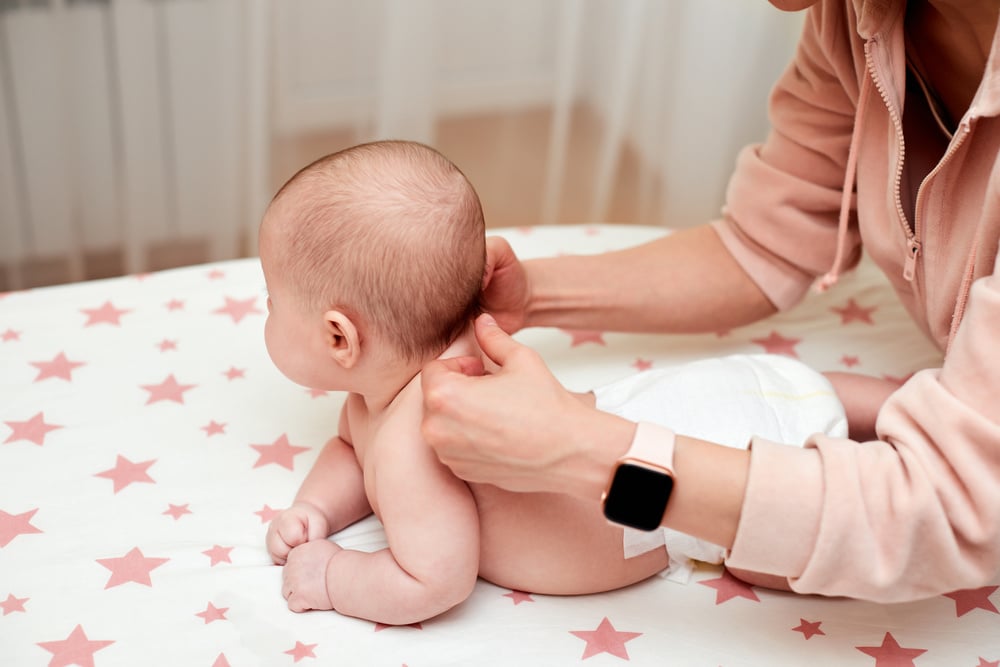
x=685, y=282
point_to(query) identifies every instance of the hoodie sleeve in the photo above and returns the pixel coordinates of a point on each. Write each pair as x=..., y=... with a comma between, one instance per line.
x=784, y=198
x=915, y=514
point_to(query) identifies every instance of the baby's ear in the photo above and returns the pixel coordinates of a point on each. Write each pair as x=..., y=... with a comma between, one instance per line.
x=342, y=340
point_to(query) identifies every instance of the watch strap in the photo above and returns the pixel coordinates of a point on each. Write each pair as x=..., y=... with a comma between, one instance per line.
x=654, y=445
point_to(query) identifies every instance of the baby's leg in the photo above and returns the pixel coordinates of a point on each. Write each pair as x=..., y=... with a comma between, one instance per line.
x=554, y=544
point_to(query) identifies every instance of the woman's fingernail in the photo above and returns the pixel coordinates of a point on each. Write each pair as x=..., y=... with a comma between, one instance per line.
x=488, y=320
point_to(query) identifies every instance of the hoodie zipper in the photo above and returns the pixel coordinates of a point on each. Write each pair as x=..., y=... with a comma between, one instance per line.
x=912, y=242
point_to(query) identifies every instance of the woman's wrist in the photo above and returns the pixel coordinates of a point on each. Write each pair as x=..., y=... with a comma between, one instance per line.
x=601, y=439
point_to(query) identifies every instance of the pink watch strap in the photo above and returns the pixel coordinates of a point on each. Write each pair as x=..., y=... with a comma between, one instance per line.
x=653, y=444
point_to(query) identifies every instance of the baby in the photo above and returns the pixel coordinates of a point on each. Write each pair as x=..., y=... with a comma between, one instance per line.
x=374, y=258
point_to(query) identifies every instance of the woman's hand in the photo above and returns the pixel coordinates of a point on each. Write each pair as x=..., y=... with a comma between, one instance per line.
x=518, y=428
x=506, y=290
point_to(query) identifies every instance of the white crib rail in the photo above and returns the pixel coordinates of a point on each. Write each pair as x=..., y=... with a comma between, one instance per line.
x=127, y=123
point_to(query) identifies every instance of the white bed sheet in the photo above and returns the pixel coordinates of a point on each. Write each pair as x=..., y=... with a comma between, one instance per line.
x=146, y=439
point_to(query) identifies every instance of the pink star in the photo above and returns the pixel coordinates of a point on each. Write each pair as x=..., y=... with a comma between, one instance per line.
x=216, y=274
x=302, y=651
x=177, y=511
x=518, y=597
x=106, y=313
x=234, y=373
x=891, y=654
x=809, y=628
x=34, y=430
x=168, y=390
x=605, y=639
x=642, y=365
x=221, y=661
x=12, y=604
x=213, y=613
x=166, y=345
x=849, y=361
x=778, y=344
x=10, y=335
x=728, y=587
x=852, y=312
x=125, y=472
x=267, y=513
x=238, y=308
x=214, y=428
x=280, y=452
x=218, y=555
x=133, y=566
x=174, y=304
x=59, y=367
x=579, y=337
x=985, y=663
x=315, y=393
x=12, y=525
x=76, y=649
x=973, y=598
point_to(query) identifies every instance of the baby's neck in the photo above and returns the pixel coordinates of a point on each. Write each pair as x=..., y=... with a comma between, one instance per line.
x=382, y=389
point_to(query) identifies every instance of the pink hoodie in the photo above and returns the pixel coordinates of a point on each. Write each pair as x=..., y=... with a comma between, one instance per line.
x=916, y=513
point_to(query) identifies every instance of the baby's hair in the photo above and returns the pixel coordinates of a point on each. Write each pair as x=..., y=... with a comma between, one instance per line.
x=392, y=233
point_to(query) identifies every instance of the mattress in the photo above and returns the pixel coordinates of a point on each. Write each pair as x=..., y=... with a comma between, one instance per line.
x=146, y=440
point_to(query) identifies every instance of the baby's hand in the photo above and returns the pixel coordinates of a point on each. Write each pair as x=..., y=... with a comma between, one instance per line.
x=303, y=580
x=296, y=525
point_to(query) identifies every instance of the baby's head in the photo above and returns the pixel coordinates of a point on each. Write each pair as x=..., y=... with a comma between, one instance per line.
x=389, y=233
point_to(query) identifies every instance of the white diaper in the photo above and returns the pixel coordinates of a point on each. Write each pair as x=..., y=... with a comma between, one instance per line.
x=725, y=400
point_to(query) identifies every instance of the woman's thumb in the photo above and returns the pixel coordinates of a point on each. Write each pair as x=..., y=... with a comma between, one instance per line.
x=493, y=340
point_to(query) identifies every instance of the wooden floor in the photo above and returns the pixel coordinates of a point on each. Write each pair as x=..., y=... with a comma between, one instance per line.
x=503, y=154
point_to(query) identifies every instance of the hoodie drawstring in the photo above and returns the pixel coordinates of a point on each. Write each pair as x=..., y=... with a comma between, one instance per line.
x=833, y=275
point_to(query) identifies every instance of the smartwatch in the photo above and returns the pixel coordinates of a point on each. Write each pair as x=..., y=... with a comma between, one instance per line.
x=643, y=479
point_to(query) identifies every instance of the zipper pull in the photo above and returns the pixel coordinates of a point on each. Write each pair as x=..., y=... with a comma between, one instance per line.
x=910, y=265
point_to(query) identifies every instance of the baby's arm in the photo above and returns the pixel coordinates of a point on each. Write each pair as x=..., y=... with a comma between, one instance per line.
x=862, y=397
x=331, y=497
x=432, y=527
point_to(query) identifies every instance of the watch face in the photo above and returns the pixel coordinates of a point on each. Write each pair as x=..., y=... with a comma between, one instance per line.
x=638, y=496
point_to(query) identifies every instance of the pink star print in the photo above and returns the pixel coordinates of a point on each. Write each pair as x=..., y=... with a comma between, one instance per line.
x=174, y=304
x=12, y=525
x=973, y=598
x=852, y=312
x=809, y=628
x=59, y=367
x=302, y=651
x=642, y=365
x=10, y=335
x=849, y=361
x=133, y=567
x=218, y=555
x=728, y=587
x=579, y=337
x=213, y=613
x=12, y=604
x=177, y=511
x=106, y=313
x=267, y=513
x=605, y=639
x=518, y=597
x=775, y=343
x=214, y=428
x=221, y=661
x=280, y=452
x=891, y=654
x=168, y=390
x=238, y=308
x=316, y=393
x=234, y=373
x=34, y=430
x=216, y=274
x=983, y=662
x=125, y=472
x=76, y=649
x=166, y=345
